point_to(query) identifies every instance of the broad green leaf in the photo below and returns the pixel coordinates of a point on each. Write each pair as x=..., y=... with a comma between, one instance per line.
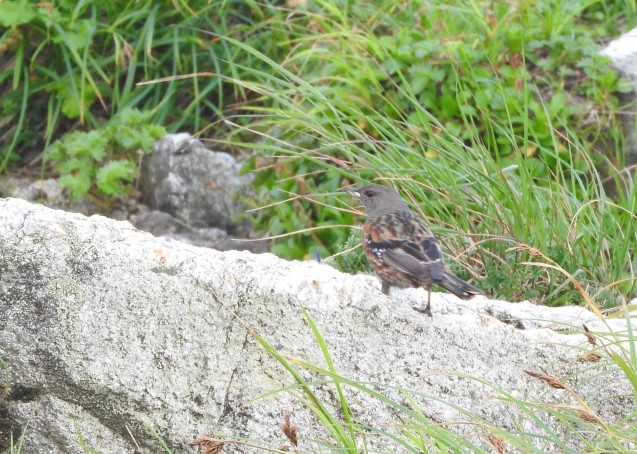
x=72, y=105
x=112, y=177
x=79, y=36
x=13, y=14
x=77, y=185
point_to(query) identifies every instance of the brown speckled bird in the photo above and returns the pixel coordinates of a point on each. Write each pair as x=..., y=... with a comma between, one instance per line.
x=401, y=249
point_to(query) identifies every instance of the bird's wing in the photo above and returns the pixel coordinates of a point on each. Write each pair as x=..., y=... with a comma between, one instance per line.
x=404, y=262
x=409, y=258
x=409, y=246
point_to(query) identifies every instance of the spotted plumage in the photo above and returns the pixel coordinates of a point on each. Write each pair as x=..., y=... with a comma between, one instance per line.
x=402, y=249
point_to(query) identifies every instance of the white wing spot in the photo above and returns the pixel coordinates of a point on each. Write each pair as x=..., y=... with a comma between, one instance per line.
x=378, y=252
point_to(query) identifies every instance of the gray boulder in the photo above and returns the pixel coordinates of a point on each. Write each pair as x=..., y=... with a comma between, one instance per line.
x=163, y=224
x=196, y=185
x=194, y=194
x=110, y=334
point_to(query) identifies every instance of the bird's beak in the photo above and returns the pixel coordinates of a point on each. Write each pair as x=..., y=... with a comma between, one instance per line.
x=353, y=191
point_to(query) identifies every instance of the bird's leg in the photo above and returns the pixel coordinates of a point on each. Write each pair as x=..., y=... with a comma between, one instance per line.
x=427, y=309
x=385, y=288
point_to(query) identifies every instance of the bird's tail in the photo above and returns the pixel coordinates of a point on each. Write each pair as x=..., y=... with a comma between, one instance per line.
x=457, y=286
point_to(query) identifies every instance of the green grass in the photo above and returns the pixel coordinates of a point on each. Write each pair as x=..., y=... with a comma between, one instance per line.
x=497, y=123
x=496, y=156
x=73, y=66
x=496, y=120
x=567, y=424
x=15, y=446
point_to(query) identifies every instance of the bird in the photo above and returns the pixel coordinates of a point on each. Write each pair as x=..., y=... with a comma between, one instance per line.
x=401, y=248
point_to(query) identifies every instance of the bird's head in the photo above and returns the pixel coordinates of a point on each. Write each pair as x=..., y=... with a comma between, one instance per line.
x=377, y=199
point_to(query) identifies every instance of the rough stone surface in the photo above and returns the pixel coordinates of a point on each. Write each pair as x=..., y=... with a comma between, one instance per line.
x=109, y=332
x=193, y=191
x=623, y=52
x=50, y=189
x=48, y=192
x=196, y=185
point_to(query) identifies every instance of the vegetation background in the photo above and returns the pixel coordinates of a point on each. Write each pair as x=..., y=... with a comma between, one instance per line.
x=497, y=119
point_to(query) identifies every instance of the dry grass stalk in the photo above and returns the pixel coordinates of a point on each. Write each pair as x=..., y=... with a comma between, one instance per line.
x=590, y=336
x=208, y=445
x=584, y=413
x=497, y=443
x=551, y=381
x=290, y=430
x=589, y=416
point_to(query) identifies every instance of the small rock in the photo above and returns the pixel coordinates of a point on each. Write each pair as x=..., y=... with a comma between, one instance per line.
x=159, y=223
x=162, y=224
x=195, y=185
x=220, y=240
x=42, y=189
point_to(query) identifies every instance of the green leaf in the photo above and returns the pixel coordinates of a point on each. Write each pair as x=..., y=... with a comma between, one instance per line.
x=78, y=36
x=96, y=145
x=16, y=13
x=557, y=103
x=483, y=97
x=125, y=136
x=72, y=105
x=625, y=86
x=73, y=166
x=77, y=185
x=112, y=177
x=81, y=145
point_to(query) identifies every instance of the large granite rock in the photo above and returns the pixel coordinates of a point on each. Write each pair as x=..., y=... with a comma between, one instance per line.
x=109, y=334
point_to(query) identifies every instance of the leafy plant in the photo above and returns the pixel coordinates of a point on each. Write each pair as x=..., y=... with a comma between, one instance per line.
x=496, y=117
x=104, y=161
x=70, y=66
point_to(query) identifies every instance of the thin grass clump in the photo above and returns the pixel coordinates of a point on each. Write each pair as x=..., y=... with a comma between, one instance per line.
x=561, y=421
x=491, y=153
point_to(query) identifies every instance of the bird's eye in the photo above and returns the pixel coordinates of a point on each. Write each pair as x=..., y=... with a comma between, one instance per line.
x=369, y=193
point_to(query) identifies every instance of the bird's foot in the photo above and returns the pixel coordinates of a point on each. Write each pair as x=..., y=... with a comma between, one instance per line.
x=424, y=310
